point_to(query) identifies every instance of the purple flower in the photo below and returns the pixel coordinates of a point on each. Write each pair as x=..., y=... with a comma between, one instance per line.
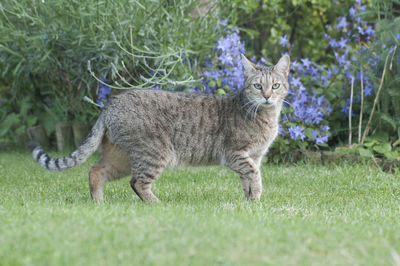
x=306, y=62
x=333, y=43
x=321, y=139
x=104, y=90
x=352, y=12
x=314, y=133
x=296, y=132
x=325, y=128
x=313, y=71
x=262, y=61
x=368, y=89
x=296, y=82
x=229, y=67
x=342, y=60
x=207, y=62
x=342, y=43
x=281, y=131
x=284, y=41
x=346, y=107
x=342, y=24
x=212, y=74
x=296, y=65
x=370, y=31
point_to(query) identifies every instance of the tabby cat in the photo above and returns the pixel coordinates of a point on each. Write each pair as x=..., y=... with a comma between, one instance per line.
x=144, y=131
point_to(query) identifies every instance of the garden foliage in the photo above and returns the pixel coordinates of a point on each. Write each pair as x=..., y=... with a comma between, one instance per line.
x=59, y=52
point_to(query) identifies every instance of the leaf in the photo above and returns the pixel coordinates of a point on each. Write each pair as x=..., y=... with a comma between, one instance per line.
x=381, y=136
x=31, y=121
x=219, y=82
x=346, y=150
x=20, y=130
x=371, y=142
x=308, y=132
x=389, y=120
x=365, y=153
x=392, y=155
x=397, y=142
x=212, y=84
x=11, y=120
x=25, y=106
x=383, y=148
x=221, y=92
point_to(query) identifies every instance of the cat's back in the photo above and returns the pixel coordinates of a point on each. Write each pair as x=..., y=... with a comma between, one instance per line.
x=178, y=110
x=154, y=99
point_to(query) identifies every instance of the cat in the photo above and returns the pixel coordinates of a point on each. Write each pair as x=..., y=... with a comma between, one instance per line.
x=144, y=131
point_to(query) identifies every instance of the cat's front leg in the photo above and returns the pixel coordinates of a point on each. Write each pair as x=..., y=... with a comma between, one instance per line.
x=249, y=175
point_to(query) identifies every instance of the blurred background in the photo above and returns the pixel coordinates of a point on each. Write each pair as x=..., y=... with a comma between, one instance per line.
x=60, y=61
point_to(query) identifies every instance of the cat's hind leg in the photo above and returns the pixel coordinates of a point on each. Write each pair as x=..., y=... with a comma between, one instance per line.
x=113, y=165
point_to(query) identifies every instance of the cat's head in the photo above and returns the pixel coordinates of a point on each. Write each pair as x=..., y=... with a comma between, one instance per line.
x=266, y=85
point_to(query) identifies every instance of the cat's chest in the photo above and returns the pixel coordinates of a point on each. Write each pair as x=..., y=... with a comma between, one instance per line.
x=265, y=136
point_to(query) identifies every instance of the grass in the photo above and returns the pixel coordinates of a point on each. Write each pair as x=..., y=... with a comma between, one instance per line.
x=308, y=215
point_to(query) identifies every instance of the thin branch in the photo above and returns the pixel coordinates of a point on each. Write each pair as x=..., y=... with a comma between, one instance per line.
x=391, y=61
x=362, y=106
x=131, y=39
x=366, y=130
x=350, y=108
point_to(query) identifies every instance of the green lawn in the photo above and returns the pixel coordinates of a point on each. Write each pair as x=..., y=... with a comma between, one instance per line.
x=308, y=215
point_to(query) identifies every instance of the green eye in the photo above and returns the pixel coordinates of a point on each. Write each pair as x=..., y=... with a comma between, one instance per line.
x=257, y=86
x=275, y=86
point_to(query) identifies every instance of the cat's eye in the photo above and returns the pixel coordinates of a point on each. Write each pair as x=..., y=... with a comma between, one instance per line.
x=275, y=86
x=258, y=86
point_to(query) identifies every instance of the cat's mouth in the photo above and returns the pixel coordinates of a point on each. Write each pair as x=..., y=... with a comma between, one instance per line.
x=268, y=102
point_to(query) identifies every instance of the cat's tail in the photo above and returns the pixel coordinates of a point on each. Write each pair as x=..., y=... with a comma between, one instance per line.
x=80, y=155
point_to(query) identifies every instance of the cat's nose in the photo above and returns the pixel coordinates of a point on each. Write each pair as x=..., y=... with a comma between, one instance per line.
x=267, y=94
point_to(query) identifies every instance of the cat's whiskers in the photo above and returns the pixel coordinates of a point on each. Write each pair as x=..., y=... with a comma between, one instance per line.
x=288, y=103
x=254, y=107
x=255, y=112
x=251, y=108
x=249, y=102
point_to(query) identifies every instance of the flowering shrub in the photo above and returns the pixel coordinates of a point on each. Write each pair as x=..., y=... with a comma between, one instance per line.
x=361, y=47
x=226, y=71
x=351, y=40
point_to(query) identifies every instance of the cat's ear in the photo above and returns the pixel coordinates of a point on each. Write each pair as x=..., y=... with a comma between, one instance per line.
x=283, y=65
x=248, y=66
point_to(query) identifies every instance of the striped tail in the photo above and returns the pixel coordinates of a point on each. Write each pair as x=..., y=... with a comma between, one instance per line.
x=80, y=155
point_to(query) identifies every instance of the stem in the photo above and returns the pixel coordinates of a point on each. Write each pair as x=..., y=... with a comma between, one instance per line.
x=131, y=37
x=362, y=107
x=366, y=130
x=350, y=108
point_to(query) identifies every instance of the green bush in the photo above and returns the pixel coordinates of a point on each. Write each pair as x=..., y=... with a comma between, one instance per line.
x=45, y=48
